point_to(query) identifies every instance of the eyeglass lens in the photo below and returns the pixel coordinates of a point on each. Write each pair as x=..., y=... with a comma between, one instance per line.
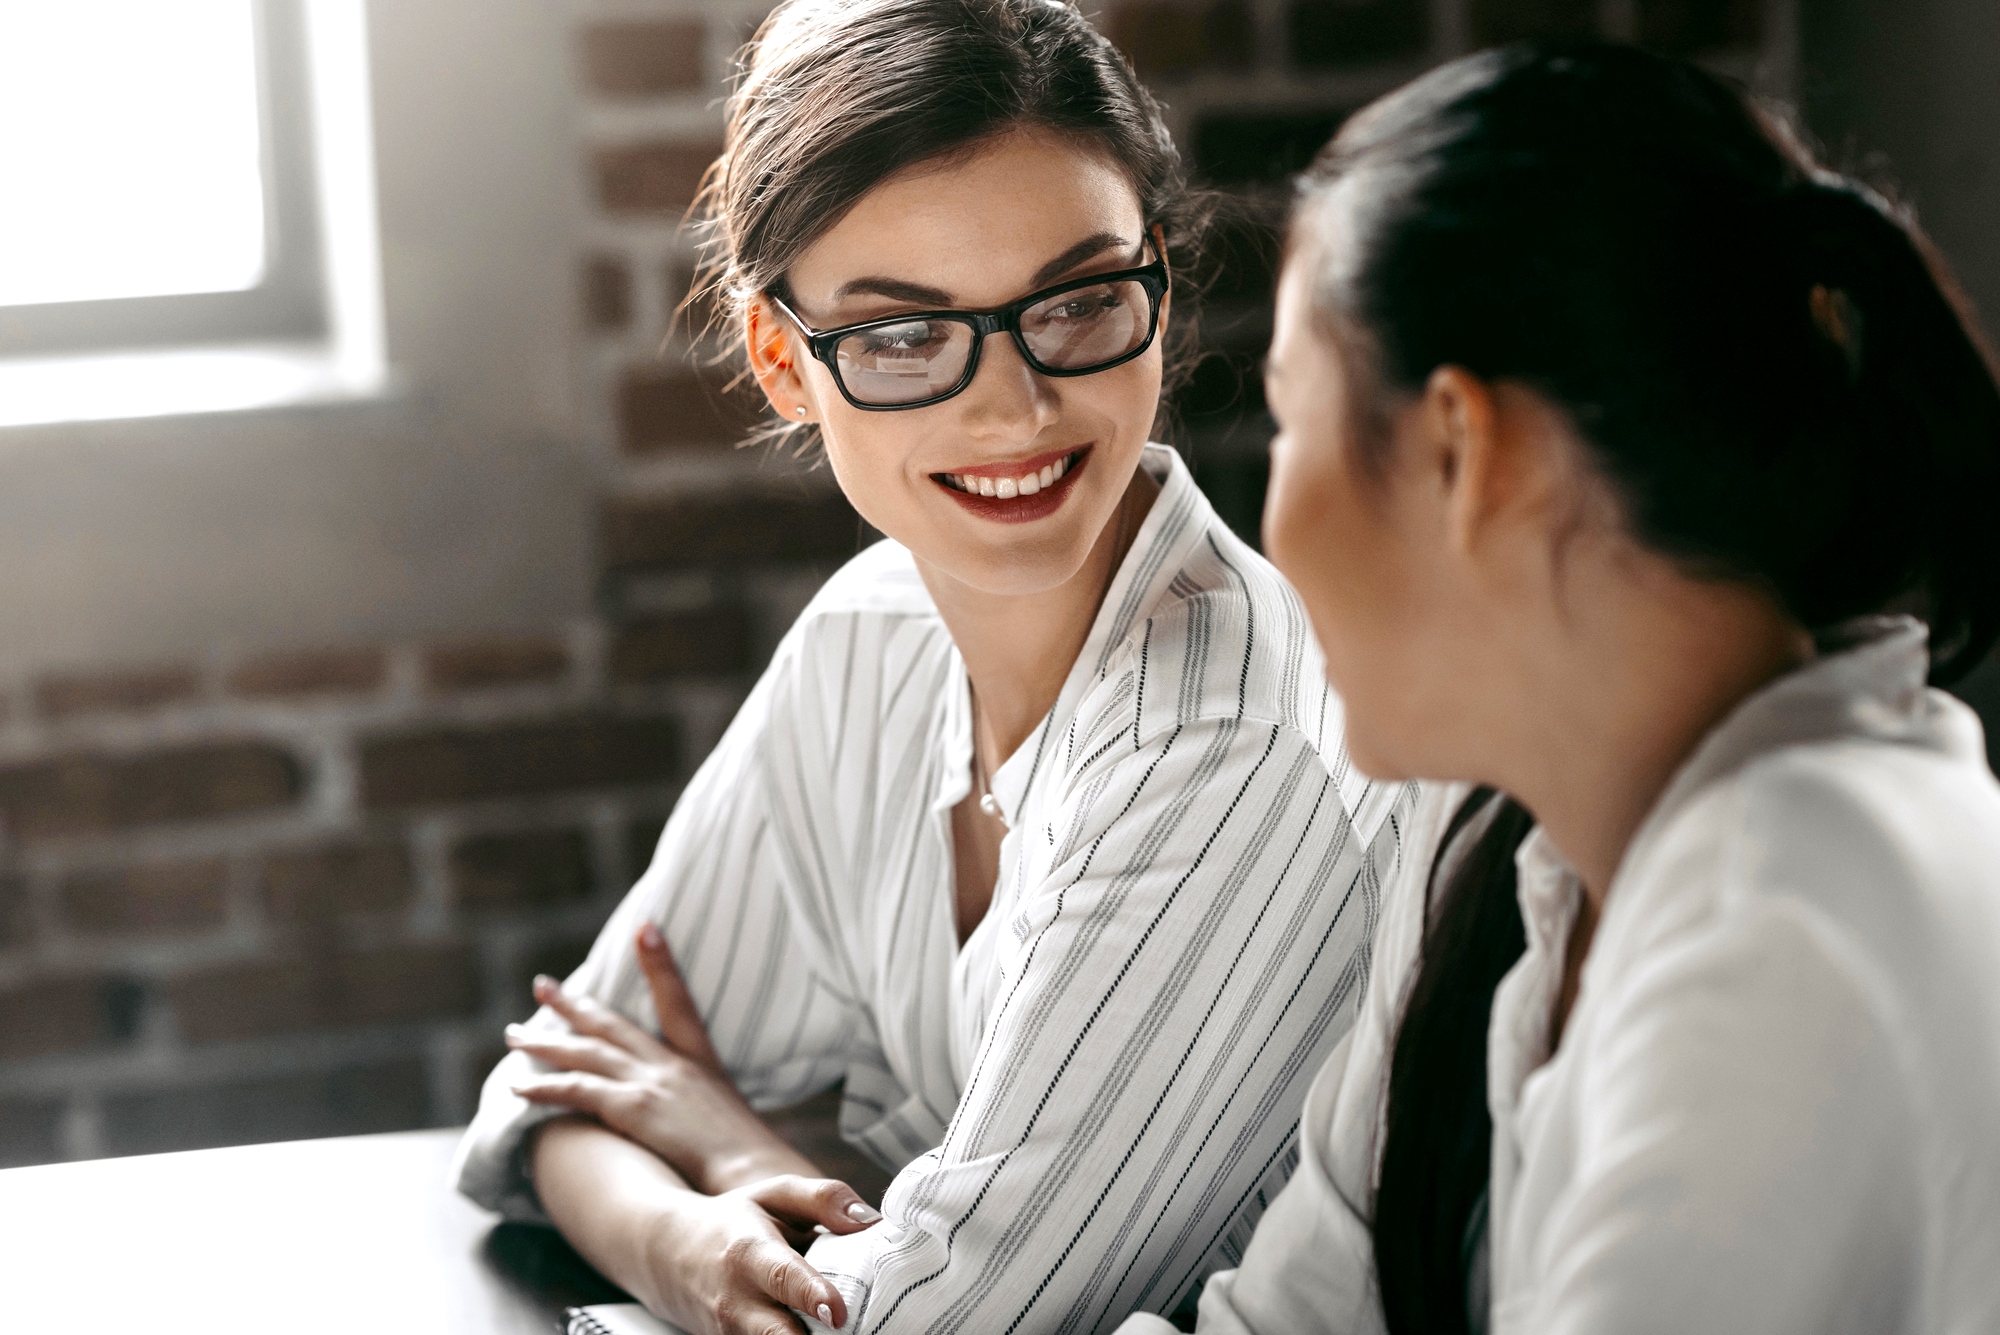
x=914, y=360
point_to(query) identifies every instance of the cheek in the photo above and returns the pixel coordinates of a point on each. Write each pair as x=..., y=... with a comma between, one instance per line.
x=866, y=455
x=1334, y=534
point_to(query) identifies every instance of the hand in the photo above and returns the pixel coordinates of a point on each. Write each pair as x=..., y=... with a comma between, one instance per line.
x=715, y=1265
x=730, y=1265
x=672, y=1097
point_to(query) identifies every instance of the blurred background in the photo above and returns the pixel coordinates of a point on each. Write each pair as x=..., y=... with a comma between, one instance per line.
x=370, y=579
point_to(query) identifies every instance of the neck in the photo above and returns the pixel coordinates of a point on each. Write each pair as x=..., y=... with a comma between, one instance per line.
x=1658, y=675
x=1019, y=648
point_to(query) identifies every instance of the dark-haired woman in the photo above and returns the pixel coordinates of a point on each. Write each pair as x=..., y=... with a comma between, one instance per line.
x=1036, y=833
x=1607, y=421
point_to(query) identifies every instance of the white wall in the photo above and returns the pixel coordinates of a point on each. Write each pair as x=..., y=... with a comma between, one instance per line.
x=463, y=503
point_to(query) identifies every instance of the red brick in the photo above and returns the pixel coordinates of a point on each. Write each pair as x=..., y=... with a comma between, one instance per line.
x=323, y=990
x=651, y=179
x=157, y=897
x=1498, y=21
x=1329, y=33
x=61, y=1014
x=709, y=642
x=324, y=883
x=90, y=792
x=1165, y=39
x=123, y=692
x=644, y=58
x=388, y=1095
x=467, y=665
x=30, y=1131
x=607, y=292
x=463, y=764
x=1688, y=27
x=294, y=674
x=731, y=530
x=666, y=408
x=536, y=869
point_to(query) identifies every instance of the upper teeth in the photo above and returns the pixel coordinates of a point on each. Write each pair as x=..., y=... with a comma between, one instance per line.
x=1005, y=487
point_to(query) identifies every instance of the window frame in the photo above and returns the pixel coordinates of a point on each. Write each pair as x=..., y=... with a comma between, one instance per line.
x=289, y=303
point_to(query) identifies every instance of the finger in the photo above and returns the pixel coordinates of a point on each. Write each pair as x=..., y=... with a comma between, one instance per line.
x=781, y=1274
x=680, y=1019
x=589, y=1016
x=580, y=1093
x=571, y=1053
x=815, y=1200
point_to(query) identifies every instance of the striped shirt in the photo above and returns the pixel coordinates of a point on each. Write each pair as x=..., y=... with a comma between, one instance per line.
x=1089, y=1103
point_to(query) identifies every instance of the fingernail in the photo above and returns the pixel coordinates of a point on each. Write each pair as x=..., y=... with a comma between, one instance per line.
x=863, y=1213
x=825, y=1315
x=650, y=936
x=544, y=983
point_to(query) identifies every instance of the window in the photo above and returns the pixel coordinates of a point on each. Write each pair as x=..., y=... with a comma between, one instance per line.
x=189, y=220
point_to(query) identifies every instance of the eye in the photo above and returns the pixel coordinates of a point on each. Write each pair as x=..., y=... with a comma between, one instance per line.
x=1084, y=305
x=913, y=337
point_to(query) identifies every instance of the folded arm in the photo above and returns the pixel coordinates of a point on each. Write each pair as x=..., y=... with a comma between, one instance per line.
x=1192, y=941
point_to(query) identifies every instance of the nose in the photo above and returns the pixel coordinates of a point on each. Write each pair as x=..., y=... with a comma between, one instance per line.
x=1007, y=397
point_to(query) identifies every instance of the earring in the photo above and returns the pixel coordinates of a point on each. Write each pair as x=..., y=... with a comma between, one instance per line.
x=800, y=411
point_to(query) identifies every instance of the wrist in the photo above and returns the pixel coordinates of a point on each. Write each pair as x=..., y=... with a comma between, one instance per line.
x=741, y=1165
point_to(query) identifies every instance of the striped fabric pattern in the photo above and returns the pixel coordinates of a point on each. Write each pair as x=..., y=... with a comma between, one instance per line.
x=1090, y=1102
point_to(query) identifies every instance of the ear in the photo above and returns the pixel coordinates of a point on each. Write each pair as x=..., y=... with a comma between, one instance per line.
x=776, y=351
x=1460, y=432
x=1166, y=300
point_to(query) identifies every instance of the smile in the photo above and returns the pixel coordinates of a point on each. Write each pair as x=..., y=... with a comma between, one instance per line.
x=1017, y=492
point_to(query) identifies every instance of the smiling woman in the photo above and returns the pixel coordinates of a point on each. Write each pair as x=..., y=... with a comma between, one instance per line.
x=1037, y=835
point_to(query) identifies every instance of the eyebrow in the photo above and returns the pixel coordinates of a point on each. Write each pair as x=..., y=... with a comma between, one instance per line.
x=897, y=289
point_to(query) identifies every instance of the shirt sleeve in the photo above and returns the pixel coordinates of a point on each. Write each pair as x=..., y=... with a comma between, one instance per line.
x=716, y=889
x=1310, y=1269
x=1744, y=1154
x=1193, y=943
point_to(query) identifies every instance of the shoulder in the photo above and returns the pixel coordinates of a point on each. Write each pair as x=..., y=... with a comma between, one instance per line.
x=881, y=578
x=874, y=601
x=1854, y=878
x=1226, y=640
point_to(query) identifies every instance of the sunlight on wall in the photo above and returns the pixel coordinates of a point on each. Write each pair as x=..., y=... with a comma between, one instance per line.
x=130, y=151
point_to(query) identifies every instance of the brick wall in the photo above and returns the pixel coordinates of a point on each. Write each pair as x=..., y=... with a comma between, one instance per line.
x=295, y=890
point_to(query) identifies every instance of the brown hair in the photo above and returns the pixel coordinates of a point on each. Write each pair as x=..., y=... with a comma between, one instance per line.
x=832, y=97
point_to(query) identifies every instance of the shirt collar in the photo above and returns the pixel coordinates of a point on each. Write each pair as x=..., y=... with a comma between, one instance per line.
x=1177, y=521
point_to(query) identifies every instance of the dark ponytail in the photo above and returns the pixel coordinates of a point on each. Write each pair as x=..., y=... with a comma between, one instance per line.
x=1766, y=361
x=1919, y=419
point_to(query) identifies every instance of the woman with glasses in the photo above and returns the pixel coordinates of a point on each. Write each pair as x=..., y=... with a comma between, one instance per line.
x=1610, y=426
x=1036, y=834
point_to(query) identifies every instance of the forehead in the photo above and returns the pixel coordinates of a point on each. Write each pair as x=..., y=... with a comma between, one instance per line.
x=976, y=226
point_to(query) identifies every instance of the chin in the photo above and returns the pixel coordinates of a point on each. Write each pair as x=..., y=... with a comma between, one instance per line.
x=1028, y=566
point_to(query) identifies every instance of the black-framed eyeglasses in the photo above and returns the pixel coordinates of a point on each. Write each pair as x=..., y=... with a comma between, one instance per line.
x=916, y=359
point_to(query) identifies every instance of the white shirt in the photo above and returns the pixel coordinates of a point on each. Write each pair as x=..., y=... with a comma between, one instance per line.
x=1776, y=1107
x=1091, y=1101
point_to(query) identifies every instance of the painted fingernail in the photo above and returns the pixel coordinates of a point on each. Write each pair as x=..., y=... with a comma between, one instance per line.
x=825, y=1315
x=650, y=935
x=544, y=984
x=862, y=1213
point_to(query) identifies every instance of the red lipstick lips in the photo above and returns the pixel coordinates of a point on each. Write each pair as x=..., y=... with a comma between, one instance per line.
x=1002, y=492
